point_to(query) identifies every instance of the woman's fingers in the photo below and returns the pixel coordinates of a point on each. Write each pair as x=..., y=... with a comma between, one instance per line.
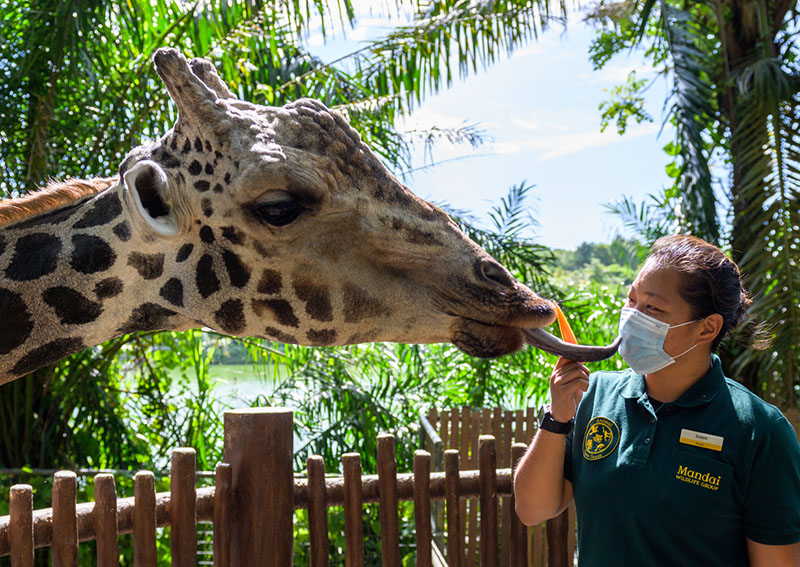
x=568, y=373
x=567, y=385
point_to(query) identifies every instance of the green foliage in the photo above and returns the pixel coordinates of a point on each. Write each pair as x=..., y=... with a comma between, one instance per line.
x=648, y=220
x=627, y=101
x=68, y=415
x=619, y=30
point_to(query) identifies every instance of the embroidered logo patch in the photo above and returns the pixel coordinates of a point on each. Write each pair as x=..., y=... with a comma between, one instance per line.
x=602, y=437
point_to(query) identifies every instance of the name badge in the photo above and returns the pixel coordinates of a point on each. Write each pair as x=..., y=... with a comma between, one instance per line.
x=704, y=440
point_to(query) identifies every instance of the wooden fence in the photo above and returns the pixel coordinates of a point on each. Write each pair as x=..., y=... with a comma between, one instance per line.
x=252, y=503
x=461, y=429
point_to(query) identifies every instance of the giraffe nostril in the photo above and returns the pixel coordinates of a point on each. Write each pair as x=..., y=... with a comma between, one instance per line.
x=491, y=271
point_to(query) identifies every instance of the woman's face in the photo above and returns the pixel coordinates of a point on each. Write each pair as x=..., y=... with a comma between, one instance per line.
x=655, y=293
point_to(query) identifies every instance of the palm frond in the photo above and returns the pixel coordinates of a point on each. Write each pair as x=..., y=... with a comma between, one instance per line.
x=528, y=261
x=693, y=113
x=768, y=203
x=447, y=39
x=647, y=220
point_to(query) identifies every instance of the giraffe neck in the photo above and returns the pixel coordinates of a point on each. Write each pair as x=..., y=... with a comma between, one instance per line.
x=75, y=276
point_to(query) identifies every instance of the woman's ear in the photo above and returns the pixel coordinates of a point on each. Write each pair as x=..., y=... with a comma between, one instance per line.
x=712, y=325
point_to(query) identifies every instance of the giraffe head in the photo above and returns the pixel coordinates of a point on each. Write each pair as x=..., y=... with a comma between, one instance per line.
x=288, y=227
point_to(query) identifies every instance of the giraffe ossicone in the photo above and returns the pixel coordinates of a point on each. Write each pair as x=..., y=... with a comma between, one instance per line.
x=255, y=221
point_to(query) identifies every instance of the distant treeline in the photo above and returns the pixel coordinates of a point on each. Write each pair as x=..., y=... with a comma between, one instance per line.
x=621, y=251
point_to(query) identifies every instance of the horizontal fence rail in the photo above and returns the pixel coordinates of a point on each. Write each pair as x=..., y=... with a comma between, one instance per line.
x=85, y=515
x=468, y=482
x=67, y=524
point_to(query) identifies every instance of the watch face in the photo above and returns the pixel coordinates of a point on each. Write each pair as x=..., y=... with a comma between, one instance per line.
x=543, y=409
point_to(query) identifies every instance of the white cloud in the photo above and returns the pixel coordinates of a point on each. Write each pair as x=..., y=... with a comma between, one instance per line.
x=315, y=40
x=537, y=122
x=425, y=117
x=359, y=33
x=534, y=48
x=548, y=145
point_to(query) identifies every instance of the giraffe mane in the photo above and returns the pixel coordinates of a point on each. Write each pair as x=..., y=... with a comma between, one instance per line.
x=54, y=196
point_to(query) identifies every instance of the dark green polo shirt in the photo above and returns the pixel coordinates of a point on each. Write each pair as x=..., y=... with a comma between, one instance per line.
x=683, y=485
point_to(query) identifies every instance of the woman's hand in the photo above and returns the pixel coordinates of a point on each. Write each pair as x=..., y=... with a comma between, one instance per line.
x=568, y=382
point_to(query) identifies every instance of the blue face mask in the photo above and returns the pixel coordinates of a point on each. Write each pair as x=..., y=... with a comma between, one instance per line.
x=642, y=344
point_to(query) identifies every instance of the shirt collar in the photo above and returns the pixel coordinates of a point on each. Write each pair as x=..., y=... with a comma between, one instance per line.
x=633, y=387
x=701, y=392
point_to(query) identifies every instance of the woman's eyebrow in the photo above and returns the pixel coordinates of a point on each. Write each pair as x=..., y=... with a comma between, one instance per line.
x=655, y=295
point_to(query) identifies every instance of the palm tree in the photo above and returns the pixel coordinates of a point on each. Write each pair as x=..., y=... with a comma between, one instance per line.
x=736, y=98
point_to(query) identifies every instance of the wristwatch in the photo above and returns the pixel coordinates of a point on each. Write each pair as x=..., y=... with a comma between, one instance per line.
x=547, y=422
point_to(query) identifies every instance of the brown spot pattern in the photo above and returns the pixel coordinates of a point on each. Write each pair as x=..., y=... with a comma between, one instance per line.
x=359, y=305
x=278, y=309
x=270, y=282
x=316, y=298
x=322, y=337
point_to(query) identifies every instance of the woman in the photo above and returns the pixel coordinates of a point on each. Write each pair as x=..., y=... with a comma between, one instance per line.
x=669, y=462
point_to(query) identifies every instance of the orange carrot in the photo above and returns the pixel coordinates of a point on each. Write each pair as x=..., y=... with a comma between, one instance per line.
x=566, y=332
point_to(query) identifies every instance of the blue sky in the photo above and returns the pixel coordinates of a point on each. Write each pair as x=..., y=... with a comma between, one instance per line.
x=539, y=111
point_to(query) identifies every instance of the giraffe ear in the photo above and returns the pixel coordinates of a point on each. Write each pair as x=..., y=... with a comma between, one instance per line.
x=149, y=196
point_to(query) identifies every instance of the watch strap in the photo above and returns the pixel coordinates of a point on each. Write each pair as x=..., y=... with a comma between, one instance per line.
x=549, y=424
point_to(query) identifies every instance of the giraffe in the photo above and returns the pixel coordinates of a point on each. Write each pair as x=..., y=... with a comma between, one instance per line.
x=273, y=222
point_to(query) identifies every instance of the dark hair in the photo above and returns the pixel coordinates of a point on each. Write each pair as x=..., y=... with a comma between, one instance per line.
x=712, y=284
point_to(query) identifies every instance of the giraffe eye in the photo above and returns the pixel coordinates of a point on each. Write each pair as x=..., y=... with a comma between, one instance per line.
x=278, y=213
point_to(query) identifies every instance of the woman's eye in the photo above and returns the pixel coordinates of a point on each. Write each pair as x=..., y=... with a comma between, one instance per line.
x=279, y=213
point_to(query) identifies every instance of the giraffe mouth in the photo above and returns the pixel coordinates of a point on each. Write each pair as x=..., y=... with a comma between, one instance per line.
x=488, y=341
x=506, y=322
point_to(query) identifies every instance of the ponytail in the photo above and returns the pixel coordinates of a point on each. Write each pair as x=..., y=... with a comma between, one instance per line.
x=748, y=331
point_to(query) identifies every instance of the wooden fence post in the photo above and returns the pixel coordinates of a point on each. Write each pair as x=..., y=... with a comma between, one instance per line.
x=353, y=511
x=317, y=512
x=222, y=516
x=259, y=448
x=488, y=500
x=64, y=547
x=183, y=508
x=388, y=512
x=557, y=549
x=455, y=538
x=422, y=507
x=519, y=533
x=145, y=552
x=21, y=524
x=105, y=520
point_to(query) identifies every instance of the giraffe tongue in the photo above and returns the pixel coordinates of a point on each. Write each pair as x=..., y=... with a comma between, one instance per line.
x=541, y=339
